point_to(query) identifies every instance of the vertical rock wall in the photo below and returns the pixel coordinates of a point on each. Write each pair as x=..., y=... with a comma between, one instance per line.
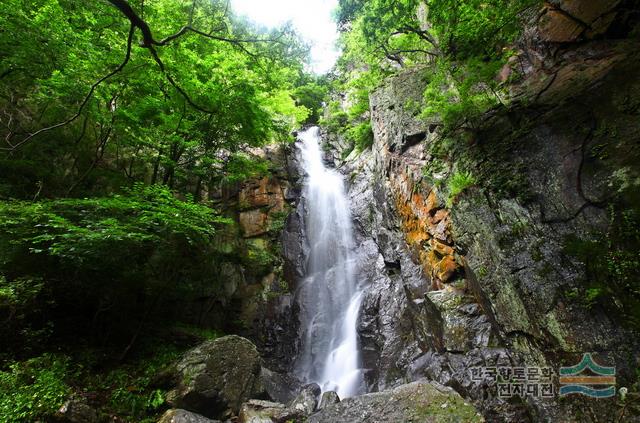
x=485, y=278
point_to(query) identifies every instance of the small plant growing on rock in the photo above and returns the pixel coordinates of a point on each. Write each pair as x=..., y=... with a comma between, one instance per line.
x=458, y=183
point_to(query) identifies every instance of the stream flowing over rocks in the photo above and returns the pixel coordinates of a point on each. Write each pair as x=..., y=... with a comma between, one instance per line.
x=329, y=296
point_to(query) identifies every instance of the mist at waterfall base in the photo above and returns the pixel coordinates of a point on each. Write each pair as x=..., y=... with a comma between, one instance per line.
x=329, y=297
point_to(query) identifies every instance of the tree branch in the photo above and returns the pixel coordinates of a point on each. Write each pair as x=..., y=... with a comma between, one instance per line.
x=84, y=101
x=172, y=81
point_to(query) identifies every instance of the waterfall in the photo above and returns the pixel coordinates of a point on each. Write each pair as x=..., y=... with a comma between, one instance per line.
x=329, y=297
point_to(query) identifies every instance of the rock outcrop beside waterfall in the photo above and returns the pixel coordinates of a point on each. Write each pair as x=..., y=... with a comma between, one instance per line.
x=217, y=377
x=414, y=402
x=225, y=379
x=491, y=278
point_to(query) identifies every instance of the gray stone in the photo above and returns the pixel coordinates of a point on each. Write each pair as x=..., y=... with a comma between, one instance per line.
x=76, y=410
x=257, y=411
x=183, y=416
x=415, y=402
x=278, y=386
x=216, y=377
x=328, y=398
x=307, y=400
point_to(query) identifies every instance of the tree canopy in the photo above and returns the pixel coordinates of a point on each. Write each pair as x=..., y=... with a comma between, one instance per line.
x=114, y=92
x=460, y=44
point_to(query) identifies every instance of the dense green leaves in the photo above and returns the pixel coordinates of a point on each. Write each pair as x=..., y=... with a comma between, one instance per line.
x=476, y=27
x=228, y=88
x=123, y=255
x=34, y=389
x=461, y=45
x=80, y=231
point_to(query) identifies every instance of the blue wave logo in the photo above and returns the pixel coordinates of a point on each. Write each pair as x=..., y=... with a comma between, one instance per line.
x=575, y=383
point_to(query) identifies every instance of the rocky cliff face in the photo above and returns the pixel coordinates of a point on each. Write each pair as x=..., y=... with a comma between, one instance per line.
x=494, y=277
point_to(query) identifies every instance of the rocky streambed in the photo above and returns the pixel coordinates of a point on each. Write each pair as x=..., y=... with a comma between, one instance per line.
x=225, y=380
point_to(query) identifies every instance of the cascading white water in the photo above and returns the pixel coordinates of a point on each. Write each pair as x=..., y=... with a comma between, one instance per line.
x=329, y=296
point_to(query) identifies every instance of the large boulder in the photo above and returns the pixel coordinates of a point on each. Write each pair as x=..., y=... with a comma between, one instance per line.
x=278, y=386
x=258, y=411
x=307, y=400
x=415, y=402
x=328, y=398
x=216, y=377
x=184, y=416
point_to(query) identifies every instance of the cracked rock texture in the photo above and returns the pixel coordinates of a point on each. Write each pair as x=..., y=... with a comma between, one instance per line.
x=485, y=279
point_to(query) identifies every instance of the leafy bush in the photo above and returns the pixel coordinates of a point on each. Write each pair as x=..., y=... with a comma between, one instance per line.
x=361, y=135
x=277, y=223
x=259, y=260
x=33, y=389
x=336, y=119
x=115, y=258
x=130, y=389
x=311, y=95
x=457, y=94
x=475, y=28
x=240, y=167
x=458, y=183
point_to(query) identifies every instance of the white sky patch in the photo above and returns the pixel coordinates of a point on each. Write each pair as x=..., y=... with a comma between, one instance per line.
x=311, y=18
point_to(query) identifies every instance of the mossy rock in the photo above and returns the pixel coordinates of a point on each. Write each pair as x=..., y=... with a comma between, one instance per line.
x=216, y=377
x=420, y=401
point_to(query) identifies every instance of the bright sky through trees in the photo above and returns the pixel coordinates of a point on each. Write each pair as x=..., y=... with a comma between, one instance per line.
x=312, y=19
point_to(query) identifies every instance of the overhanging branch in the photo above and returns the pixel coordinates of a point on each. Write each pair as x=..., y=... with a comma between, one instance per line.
x=85, y=101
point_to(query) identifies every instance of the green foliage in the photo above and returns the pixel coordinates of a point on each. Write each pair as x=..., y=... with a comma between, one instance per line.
x=80, y=231
x=382, y=33
x=311, y=95
x=591, y=295
x=353, y=122
x=240, y=167
x=134, y=400
x=463, y=44
x=258, y=260
x=86, y=264
x=361, y=135
x=130, y=390
x=458, y=182
x=108, y=257
x=277, y=222
x=474, y=28
x=612, y=261
x=337, y=121
x=34, y=389
x=458, y=94
x=166, y=126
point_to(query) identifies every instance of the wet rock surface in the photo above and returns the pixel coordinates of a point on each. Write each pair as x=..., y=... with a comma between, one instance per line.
x=328, y=398
x=280, y=387
x=307, y=400
x=482, y=281
x=418, y=402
